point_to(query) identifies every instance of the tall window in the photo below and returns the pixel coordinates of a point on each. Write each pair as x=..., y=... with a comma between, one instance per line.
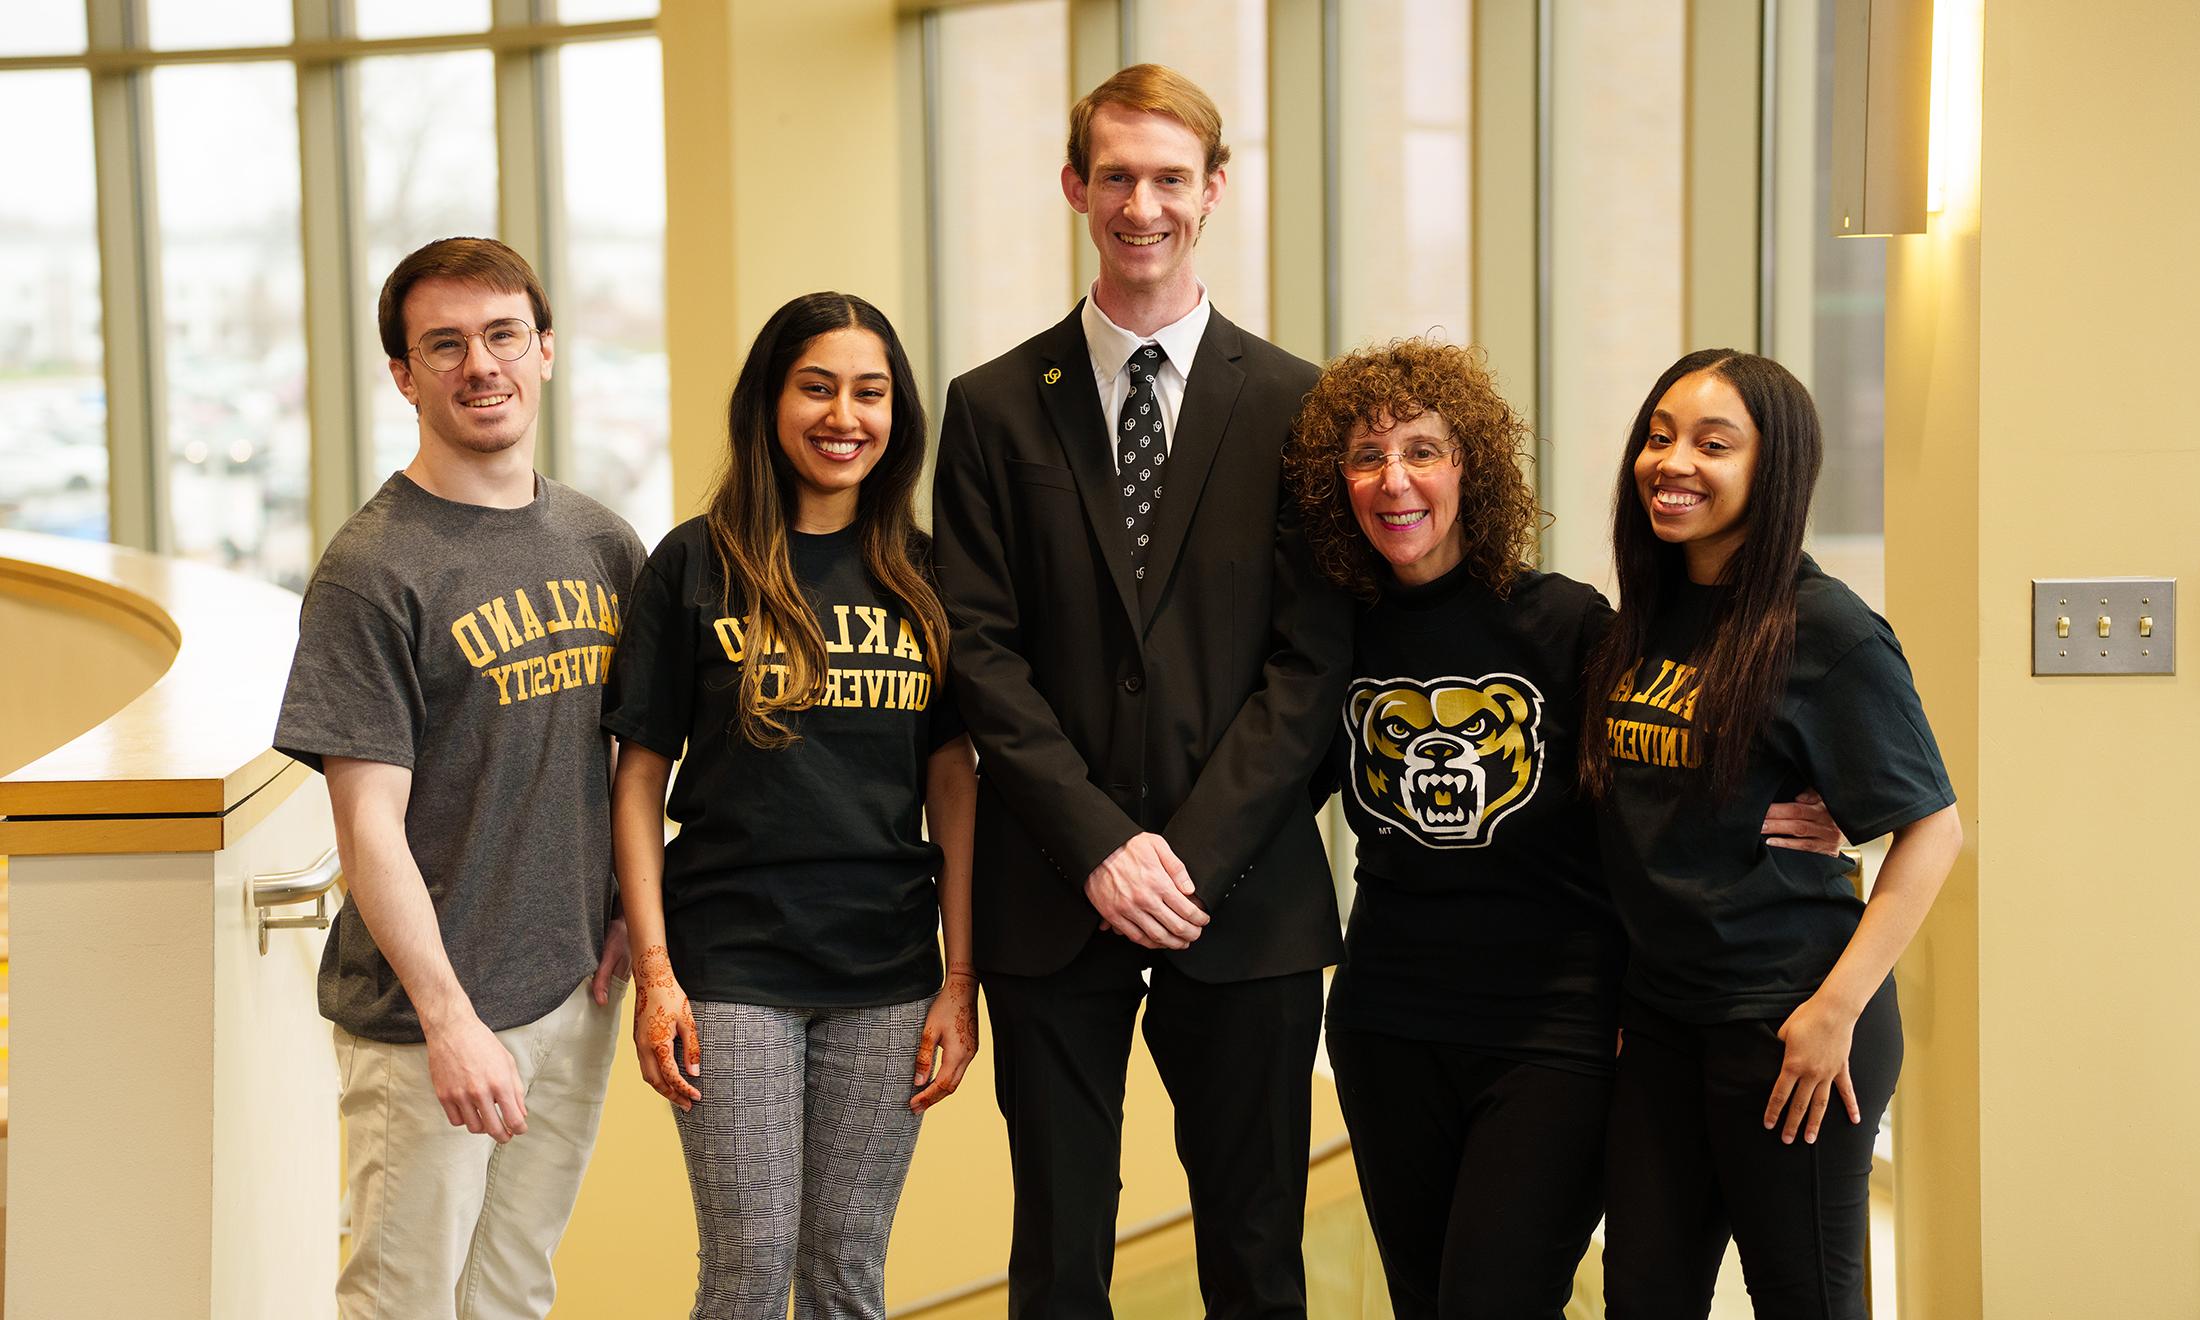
x=1223, y=46
x=1002, y=231
x=233, y=300
x=614, y=297
x=43, y=30
x=1615, y=234
x=427, y=123
x=419, y=18
x=263, y=414
x=53, y=403
x=1406, y=68
x=196, y=25
x=1843, y=360
x=603, y=11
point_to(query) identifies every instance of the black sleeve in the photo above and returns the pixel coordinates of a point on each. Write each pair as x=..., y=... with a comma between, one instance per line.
x=1596, y=620
x=353, y=689
x=1597, y=617
x=651, y=693
x=1329, y=775
x=943, y=721
x=1864, y=744
x=1244, y=793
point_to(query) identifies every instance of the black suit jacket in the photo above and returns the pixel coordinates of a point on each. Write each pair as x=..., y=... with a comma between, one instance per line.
x=1195, y=704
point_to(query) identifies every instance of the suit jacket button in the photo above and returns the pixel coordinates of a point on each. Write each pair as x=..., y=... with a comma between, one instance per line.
x=1133, y=683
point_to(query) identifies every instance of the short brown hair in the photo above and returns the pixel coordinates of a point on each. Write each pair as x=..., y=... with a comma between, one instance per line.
x=1151, y=89
x=1400, y=381
x=482, y=261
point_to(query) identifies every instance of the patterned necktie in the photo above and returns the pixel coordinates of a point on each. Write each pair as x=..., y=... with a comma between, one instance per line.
x=1140, y=450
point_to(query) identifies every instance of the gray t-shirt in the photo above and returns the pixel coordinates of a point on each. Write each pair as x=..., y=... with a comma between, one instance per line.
x=470, y=645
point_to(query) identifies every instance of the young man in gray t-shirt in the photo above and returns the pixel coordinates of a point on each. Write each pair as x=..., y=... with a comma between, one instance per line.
x=451, y=654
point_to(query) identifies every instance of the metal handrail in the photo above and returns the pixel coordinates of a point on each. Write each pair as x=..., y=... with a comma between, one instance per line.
x=284, y=888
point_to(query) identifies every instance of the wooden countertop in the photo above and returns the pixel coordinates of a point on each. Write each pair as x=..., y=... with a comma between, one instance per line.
x=167, y=771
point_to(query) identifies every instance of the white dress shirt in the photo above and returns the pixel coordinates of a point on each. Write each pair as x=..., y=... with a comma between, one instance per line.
x=1111, y=347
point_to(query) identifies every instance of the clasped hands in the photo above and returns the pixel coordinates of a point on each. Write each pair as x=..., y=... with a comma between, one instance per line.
x=1144, y=893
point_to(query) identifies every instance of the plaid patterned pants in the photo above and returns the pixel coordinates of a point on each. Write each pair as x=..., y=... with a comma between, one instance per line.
x=796, y=1155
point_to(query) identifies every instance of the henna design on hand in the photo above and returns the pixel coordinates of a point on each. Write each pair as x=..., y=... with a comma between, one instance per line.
x=658, y=1010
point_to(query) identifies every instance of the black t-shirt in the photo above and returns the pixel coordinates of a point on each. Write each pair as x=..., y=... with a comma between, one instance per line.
x=1723, y=926
x=800, y=876
x=1481, y=917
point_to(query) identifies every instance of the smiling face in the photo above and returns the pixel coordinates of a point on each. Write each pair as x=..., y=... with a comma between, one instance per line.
x=836, y=410
x=1410, y=516
x=1143, y=203
x=1694, y=471
x=483, y=405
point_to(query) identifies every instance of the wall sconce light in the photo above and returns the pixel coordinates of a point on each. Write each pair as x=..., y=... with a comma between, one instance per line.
x=1882, y=116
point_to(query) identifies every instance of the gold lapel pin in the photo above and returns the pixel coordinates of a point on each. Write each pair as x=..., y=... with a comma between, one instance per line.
x=1053, y=374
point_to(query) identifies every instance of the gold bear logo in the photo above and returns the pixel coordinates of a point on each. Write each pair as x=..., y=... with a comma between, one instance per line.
x=1448, y=758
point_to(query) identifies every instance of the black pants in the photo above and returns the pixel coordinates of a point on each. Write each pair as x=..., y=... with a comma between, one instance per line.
x=1237, y=1060
x=1483, y=1177
x=1691, y=1163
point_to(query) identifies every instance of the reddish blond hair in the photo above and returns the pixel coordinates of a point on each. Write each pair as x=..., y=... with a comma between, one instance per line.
x=1150, y=89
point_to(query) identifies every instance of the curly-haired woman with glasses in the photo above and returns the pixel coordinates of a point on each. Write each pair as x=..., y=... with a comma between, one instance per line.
x=1472, y=1026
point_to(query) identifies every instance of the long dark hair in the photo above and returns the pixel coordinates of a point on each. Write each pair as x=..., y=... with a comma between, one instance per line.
x=752, y=507
x=1751, y=638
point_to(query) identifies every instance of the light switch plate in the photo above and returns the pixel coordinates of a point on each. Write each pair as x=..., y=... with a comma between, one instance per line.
x=2140, y=625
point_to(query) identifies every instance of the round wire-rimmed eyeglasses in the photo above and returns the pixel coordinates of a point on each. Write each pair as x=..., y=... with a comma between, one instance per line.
x=507, y=341
x=1367, y=463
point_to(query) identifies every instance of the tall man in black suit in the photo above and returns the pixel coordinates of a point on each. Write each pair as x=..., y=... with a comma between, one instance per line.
x=1151, y=668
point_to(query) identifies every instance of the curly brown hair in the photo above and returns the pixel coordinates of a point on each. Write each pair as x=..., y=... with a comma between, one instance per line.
x=1399, y=381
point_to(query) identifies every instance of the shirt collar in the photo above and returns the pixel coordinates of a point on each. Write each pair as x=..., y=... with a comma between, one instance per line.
x=1111, y=345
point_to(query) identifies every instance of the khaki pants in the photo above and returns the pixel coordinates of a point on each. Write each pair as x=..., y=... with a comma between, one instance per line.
x=445, y=1222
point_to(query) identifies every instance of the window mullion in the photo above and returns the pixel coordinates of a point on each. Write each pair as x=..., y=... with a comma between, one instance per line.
x=1724, y=188
x=1100, y=42
x=921, y=48
x=342, y=363
x=1303, y=316
x=530, y=200
x=130, y=285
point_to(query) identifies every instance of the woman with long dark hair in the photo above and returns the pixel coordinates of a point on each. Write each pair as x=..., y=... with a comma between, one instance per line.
x=788, y=649
x=1759, y=990
x=1472, y=1024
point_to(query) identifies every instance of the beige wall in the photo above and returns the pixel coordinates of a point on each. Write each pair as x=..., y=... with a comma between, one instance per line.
x=782, y=140
x=2038, y=362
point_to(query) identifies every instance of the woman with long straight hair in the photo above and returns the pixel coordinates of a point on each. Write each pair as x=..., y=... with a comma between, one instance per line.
x=788, y=649
x=1759, y=993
